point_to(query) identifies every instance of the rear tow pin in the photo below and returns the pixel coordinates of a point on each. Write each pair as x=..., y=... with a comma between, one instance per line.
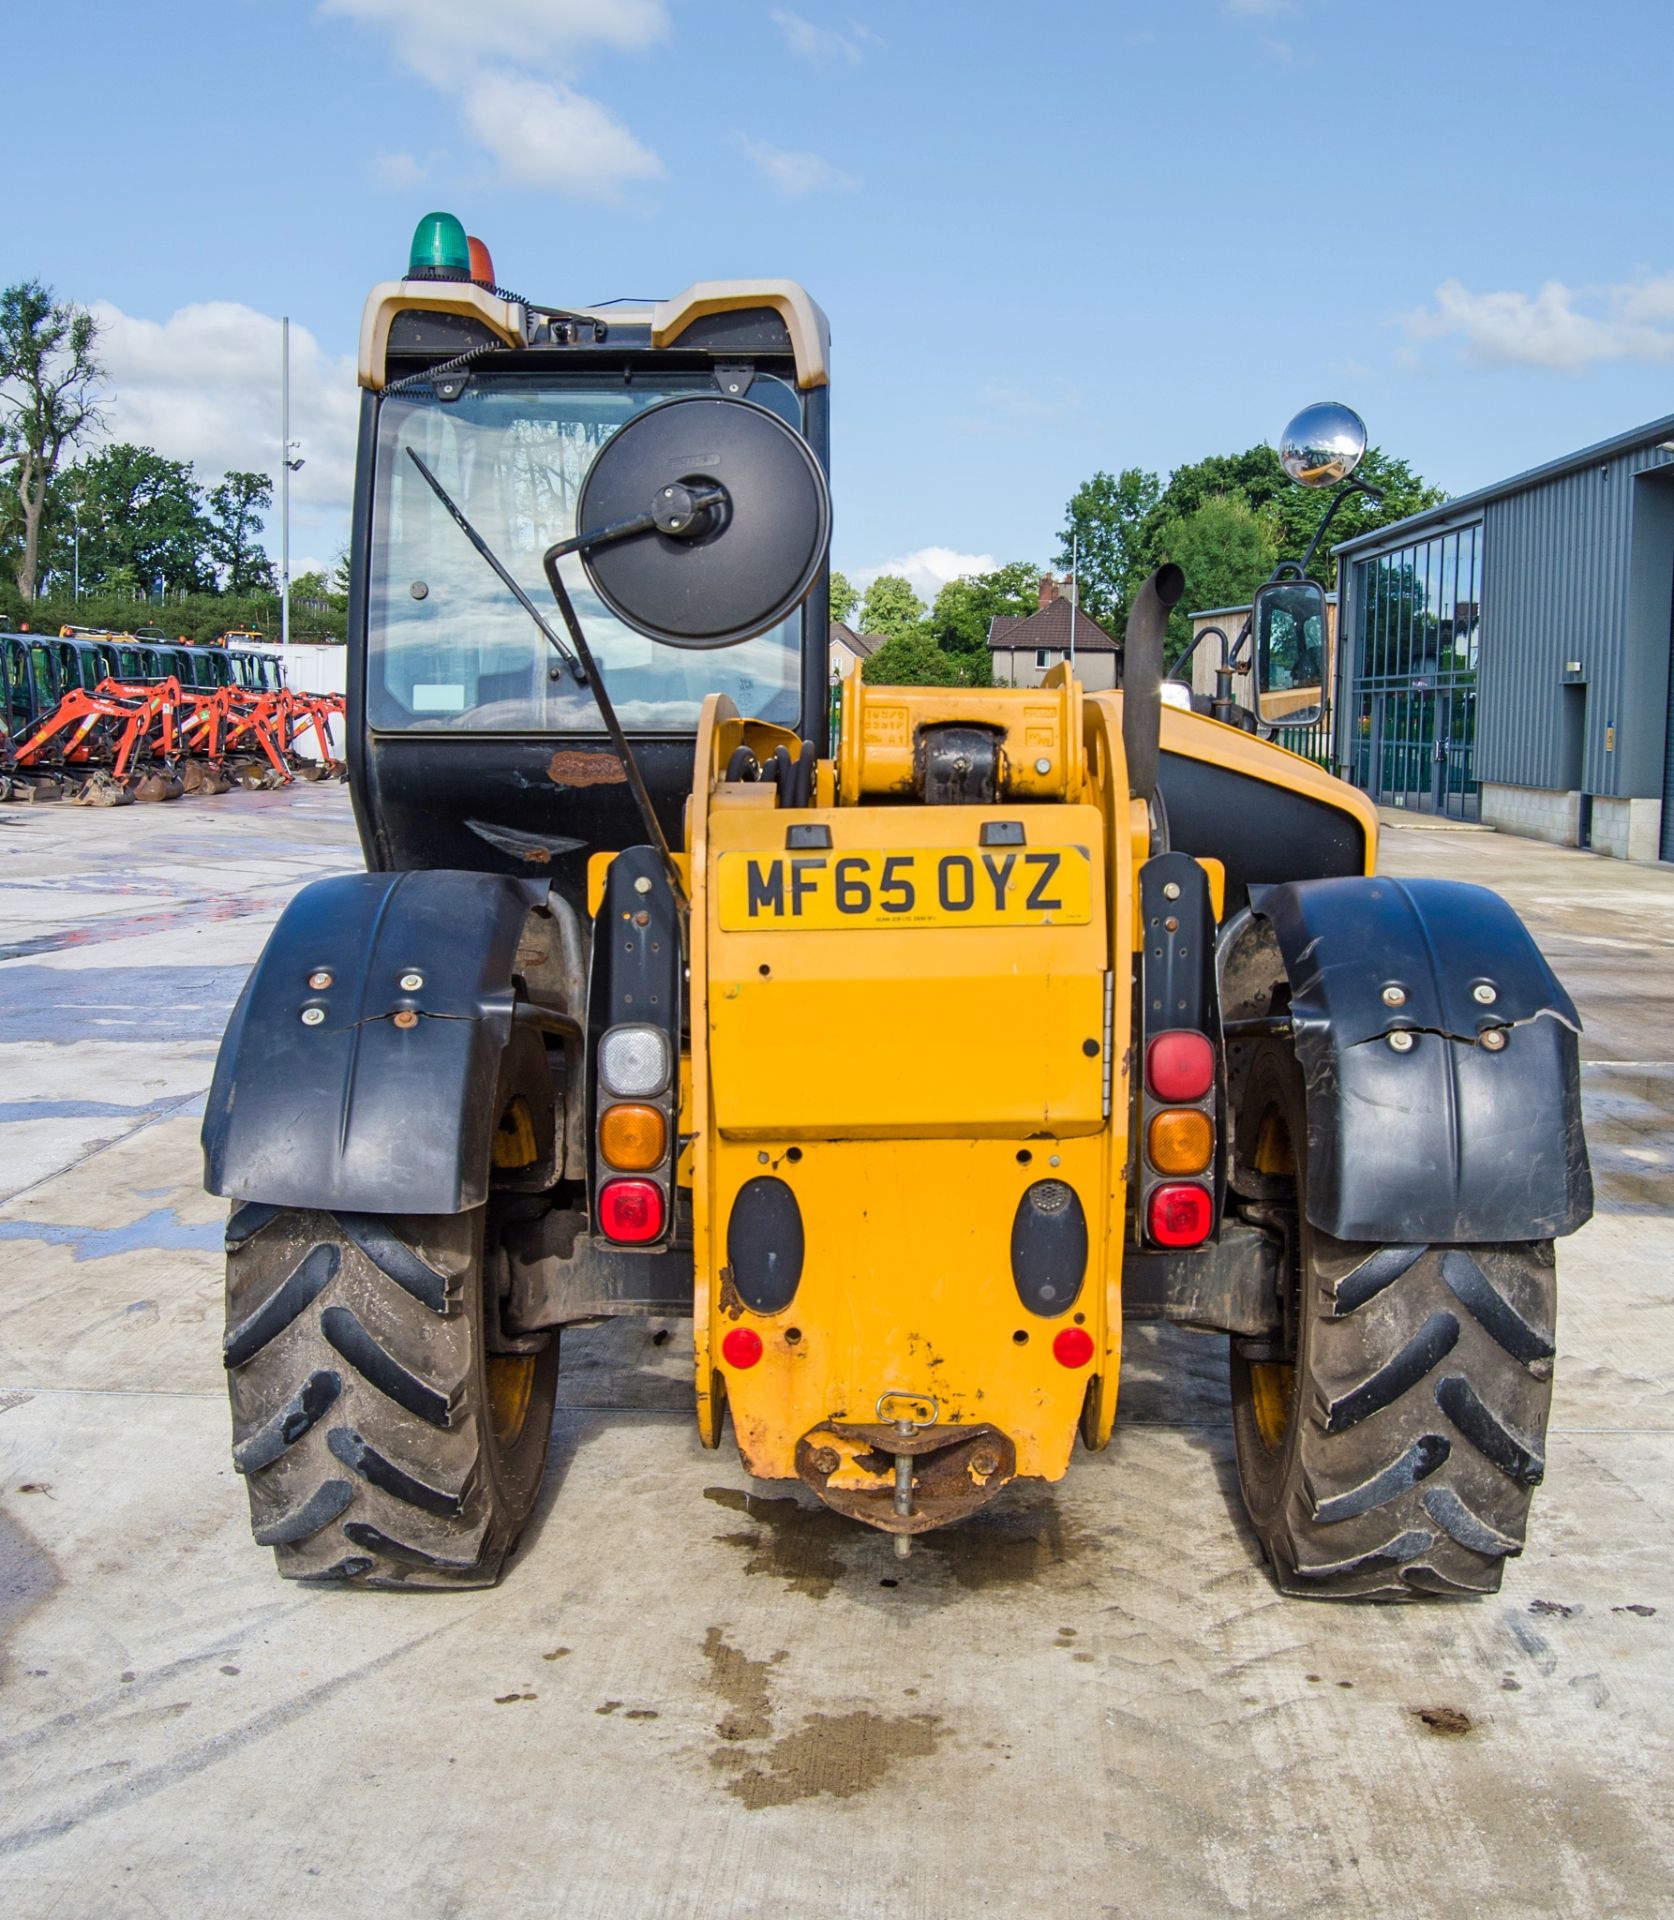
x=904, y=1461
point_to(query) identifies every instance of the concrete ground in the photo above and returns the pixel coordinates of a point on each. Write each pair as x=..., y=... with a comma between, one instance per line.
x=689, y=1700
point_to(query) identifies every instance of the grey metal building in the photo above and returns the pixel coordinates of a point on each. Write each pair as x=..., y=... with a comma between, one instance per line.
x=1508, y=656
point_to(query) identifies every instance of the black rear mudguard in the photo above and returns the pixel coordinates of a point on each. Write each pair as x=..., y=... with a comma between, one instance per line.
x=351, y=1112
x=1445, y=1140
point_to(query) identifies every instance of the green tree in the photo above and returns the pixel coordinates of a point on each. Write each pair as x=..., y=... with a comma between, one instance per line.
x=318, y=610
x=1225, y=549
x=1292, y=512
x=1103, y=534
x=1295, y=512
x=845, y=596
x=964, y=608
x=912, y=659
x=236, y=507
x=144, y=513
x=48, y=380
x=891, y=607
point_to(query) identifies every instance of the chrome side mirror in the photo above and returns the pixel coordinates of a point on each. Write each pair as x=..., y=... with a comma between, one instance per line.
x=1323, y=444
x=1289, y=621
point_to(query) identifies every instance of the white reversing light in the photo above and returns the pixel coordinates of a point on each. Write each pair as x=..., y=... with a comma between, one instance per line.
x=633, y=1061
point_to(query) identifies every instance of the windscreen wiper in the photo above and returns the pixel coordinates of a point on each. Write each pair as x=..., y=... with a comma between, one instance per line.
x=577, y=670
x=581, y=662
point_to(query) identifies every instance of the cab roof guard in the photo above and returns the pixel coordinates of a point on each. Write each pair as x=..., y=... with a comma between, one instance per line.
x=667, y=320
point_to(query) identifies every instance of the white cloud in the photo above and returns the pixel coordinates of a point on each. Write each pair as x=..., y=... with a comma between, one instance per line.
x=437, y=37
x=203, y=385
x=1560, y=327
x=793, y=174
x=525, y=112
x=820, y=45
x=928, y=569
x=397, y=170
x=548, y=135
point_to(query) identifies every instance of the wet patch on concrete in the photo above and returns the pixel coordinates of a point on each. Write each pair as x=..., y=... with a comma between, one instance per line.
x=28, y=1575
x=1448, y=1722
x=11, y=1110
x=1629, y=1140
x=792, y=1540
x=1018, y=1542
x=160, y=1231
x=116, y=1004
x=186, y=916
x=1021, y=1540
x=840, y=1754
x=745, y=1687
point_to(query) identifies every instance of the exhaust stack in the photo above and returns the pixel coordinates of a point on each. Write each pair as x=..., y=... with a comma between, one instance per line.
x=1142, y=676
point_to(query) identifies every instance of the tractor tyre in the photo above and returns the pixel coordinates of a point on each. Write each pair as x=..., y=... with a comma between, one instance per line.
x=390, y=1433
x=1389, y=1443
x=383, y=1444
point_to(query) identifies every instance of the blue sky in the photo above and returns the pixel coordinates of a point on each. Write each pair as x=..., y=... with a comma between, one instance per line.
x=1050, y=238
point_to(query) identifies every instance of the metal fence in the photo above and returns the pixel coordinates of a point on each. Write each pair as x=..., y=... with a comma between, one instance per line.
x=1312, y=740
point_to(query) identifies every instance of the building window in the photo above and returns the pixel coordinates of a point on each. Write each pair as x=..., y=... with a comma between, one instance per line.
x=1419, y=611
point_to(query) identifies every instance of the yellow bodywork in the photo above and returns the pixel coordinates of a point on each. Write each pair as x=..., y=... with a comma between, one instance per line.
x=908, y=1077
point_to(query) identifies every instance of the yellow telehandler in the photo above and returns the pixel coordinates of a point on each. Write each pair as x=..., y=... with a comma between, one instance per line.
x=909, y=1065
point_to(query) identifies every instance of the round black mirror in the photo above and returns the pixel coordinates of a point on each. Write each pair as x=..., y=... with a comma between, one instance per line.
x=703, y=521
x=1323, y=444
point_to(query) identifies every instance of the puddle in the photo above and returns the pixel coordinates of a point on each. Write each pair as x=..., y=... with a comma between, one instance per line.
x=840, y=1754
x=160, y=1231
x=1019, y=1541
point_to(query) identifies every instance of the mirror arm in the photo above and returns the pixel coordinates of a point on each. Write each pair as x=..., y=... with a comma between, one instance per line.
x=618, y=739
x=1338, y=497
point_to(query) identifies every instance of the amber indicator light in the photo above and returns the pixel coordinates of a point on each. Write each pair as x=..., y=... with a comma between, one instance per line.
x=633, y=1137
x=1179, y=1141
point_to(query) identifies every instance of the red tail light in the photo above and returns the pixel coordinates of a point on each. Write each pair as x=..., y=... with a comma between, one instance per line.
x=1181, y=1216
x=1073, y=1347
x=1180, y=1066
x=631, y=1211
x=741, y=1347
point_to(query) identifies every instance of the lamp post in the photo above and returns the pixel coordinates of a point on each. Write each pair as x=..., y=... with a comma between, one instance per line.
x=287, y=466
x=75, y=521
x=285, y=480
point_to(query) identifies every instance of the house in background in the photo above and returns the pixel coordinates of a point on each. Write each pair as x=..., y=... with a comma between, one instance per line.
x=848, y=648
x=1025, y=646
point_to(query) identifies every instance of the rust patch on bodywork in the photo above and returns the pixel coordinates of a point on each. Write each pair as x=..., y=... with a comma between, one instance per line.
x=956, y=1470
x=570, y=767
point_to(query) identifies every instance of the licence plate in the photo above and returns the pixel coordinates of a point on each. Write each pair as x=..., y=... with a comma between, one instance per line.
x=907, y=887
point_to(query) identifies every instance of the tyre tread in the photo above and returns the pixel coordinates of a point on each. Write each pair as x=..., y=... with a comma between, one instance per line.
x=361, y=1416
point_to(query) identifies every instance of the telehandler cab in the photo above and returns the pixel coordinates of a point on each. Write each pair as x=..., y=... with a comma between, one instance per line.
x=907, y=1069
